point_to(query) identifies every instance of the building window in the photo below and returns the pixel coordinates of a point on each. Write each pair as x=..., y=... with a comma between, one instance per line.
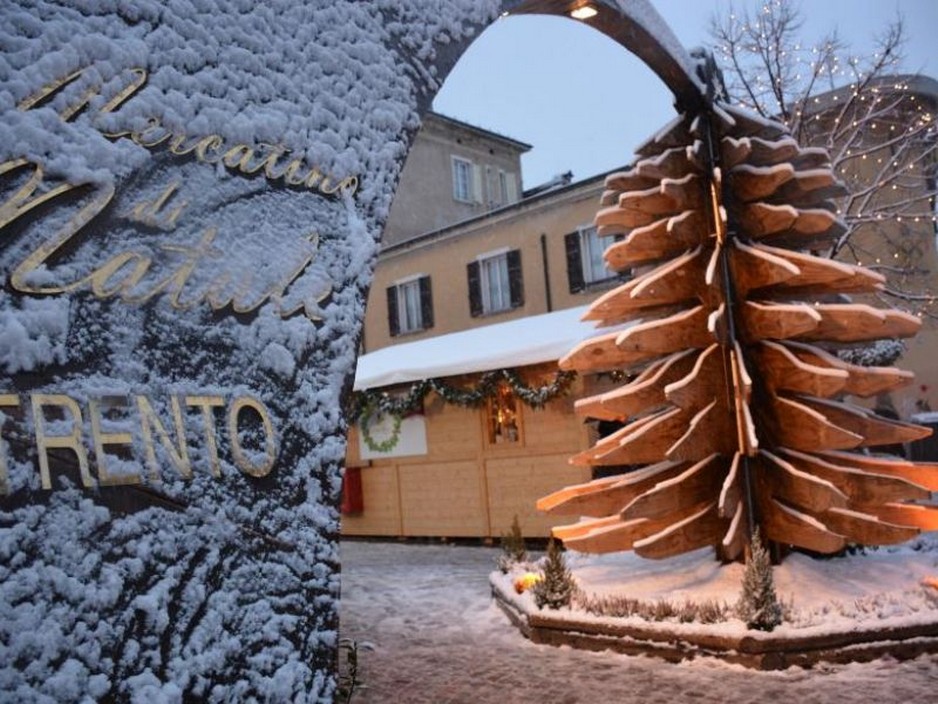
x=463, y=180
x=507, y=187
x=585, y=264
x=410, y=305
x=503, y=187
x=503, y=425
x=495, y=283
x=496, y=294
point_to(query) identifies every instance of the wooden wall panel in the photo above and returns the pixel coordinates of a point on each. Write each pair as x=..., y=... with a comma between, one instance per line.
x=514, y=485
x=382, y=514
x=552, y=428
x=442, y=499
x=453, y=432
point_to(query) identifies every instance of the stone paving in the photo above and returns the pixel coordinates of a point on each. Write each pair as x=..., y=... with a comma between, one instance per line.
x=439, y=638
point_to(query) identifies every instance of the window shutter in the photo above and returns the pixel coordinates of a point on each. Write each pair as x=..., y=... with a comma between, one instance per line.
x=475, y=289
x=426, y=303
x=571, y=243
x=476, y=183
x=515, y=282
x=393, y=321
x=511, y=181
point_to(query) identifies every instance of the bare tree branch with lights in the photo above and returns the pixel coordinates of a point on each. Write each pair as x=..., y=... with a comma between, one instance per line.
x=874, y=121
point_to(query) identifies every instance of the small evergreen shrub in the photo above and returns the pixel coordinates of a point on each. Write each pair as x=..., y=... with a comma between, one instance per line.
x=557, y=587
x=513, y=550
x=758, y=605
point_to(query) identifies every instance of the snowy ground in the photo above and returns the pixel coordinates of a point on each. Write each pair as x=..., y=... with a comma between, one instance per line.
x=439, y=637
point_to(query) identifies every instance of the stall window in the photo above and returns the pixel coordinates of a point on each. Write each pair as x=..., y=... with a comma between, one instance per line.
x=503, y=418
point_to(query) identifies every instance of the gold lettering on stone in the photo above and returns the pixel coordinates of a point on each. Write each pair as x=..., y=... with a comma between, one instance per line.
x=238, y=157
x=47, y=90
x=206, y=404
x=71, y=441
x=6, y=401
x=213, y=142
x=20, y=203
x=150, y=422
x=270, y=445
x=152, y=213
x=58, y=425
x=102, y=440
x=124, y=273
x=103, y=274
x=145, y=138
x=177, y=146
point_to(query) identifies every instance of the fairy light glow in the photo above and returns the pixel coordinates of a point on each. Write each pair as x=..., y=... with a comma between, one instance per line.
x=880, y=134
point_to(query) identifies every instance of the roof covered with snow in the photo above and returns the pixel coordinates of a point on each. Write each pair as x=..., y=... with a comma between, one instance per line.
x=516, y=343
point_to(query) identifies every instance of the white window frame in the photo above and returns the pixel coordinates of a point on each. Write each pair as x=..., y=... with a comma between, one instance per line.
x=409, y=319
x=592, y=247
x=494, y=282
x=463, y=179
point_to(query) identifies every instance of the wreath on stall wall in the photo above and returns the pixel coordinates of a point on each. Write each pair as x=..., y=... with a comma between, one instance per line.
x=390, y=442
x=372, y=403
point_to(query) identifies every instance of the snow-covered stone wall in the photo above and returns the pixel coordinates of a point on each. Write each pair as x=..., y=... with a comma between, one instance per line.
x=191, y=197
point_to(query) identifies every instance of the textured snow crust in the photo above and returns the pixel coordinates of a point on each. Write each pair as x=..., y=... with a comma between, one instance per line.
x=190, y=578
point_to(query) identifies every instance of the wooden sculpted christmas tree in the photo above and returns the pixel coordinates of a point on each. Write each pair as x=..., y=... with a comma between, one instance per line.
x=736, y=414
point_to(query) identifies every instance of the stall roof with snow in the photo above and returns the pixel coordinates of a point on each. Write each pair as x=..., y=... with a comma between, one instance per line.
x=531, y=340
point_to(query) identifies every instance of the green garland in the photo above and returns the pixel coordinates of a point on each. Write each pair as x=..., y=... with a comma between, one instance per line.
x=370, y=400
x=385, y=445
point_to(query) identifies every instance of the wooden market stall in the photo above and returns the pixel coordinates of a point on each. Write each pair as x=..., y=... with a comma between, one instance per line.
x=480, y=449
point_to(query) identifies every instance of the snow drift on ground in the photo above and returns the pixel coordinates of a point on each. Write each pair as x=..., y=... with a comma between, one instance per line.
x=439, y=637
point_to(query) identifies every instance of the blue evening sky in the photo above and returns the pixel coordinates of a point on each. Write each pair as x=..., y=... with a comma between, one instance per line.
x=585, y=103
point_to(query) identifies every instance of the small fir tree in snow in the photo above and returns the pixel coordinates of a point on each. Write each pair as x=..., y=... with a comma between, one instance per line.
x=758, y=605
x=513, y=550
x=557, y=587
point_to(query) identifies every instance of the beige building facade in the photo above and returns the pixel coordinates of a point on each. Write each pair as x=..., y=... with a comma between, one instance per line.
x=454, y=172
x=510, y=263
x=497, y=261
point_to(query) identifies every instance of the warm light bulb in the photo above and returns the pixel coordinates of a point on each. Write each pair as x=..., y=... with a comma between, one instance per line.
x=583, y=12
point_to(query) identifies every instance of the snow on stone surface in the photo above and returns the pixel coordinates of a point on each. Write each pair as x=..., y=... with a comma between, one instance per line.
x=225, y=589
x=438, y=636
x=516, y=343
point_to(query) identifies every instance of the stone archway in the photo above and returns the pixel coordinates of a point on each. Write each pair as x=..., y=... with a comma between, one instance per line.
x=637, y=27
x=190, y=204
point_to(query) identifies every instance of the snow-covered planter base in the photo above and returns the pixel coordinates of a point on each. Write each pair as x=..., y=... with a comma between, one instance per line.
x=855, y=608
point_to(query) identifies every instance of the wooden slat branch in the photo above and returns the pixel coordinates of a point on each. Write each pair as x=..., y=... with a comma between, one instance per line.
x=738, y=417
